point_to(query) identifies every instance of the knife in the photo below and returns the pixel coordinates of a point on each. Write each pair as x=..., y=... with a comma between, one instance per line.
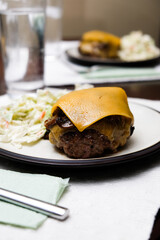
x=48, y=209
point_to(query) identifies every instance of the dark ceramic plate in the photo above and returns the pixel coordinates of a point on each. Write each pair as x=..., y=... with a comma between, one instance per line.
x=74, y=56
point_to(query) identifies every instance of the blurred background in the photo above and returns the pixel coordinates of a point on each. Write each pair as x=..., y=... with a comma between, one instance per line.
x=118, y=17
x=115, y=16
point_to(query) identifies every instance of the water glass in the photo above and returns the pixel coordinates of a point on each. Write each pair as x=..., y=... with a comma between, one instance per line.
x=53, y=28
x=22, y=29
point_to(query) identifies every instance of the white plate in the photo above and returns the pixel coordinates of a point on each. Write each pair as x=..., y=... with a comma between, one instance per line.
x=145, y=140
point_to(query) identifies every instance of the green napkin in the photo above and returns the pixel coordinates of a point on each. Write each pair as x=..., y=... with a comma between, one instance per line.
x=40, y=186
x=122, y=72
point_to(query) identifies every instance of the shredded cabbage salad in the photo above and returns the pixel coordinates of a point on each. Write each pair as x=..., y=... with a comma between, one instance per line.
x=137, y=46
x=22, y=121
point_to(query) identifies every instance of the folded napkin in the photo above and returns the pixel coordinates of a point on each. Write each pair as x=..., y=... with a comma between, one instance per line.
x=43, y=187
x=123, y=73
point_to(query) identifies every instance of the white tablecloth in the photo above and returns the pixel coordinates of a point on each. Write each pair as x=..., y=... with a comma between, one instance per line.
x=115, y=203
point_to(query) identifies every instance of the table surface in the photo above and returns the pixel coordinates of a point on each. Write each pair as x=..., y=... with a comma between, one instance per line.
x=145, y=89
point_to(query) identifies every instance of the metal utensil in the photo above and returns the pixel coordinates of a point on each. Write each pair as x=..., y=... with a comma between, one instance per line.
x=51, y=210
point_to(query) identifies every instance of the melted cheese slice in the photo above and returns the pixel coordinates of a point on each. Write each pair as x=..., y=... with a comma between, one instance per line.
x=87, y=106
x=100, y=36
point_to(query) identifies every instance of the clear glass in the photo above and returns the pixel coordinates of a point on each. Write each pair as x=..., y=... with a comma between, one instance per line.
x=53, y=30
x=22, y=28
x=53, y=37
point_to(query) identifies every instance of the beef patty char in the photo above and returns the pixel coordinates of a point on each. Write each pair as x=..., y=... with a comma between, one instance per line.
x=89, y=143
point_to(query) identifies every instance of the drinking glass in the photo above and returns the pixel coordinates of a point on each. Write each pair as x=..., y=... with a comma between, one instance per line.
x=53, y=37
x=53, y=28
x=22, y=29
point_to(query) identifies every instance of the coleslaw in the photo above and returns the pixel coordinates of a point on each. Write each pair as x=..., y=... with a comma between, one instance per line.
x=22, y=121
x=137, y=46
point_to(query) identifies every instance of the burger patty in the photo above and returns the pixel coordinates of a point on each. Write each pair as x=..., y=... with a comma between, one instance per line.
x=106, y=134
x=94, y=49
x=89, y=143
x=98, y=49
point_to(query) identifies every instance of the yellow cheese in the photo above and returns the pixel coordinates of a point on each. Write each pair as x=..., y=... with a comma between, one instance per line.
x=100, y=36
x=87, y=106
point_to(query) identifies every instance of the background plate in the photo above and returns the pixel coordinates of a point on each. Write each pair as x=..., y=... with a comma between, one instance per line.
x=145, y=140
x=74, y=56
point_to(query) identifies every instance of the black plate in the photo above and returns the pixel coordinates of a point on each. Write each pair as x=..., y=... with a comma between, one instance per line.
x=74, y=56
